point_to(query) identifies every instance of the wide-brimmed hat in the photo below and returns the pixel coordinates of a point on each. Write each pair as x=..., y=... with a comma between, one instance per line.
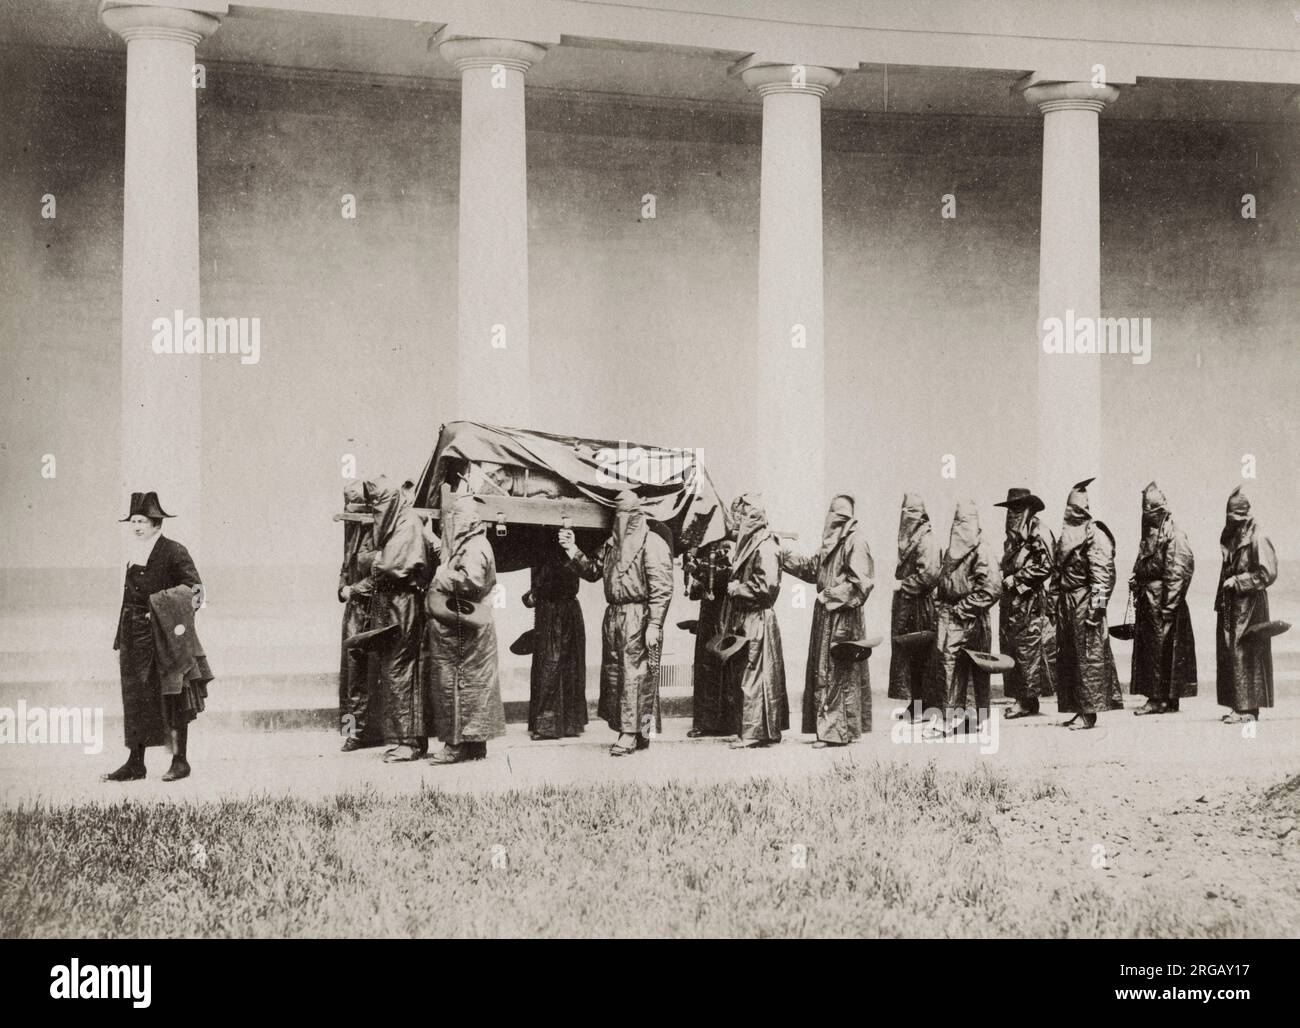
x=371, y=638
x=147, y=505
x=692, y=625
x=1021, y=498
x=457, y=610
x=993, y=663
x=915, y=640
x=1264, y=630
x=726, y=645
x=524, y=644
x=854, y=649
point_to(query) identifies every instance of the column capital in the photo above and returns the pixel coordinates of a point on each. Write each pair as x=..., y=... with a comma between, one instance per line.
x=1070, y=96
x=766, y=78
x=141, y=21
x=486, y=51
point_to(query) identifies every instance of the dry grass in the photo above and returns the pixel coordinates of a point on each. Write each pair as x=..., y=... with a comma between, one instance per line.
x=888, y=853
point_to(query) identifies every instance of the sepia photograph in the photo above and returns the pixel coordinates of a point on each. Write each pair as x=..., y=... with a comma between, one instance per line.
x=650, y=470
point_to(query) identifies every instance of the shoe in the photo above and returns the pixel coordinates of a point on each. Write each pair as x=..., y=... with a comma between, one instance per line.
x=695, y=733
x=450, y=754
x=1019, y=712
x=621, y=751
x=402, y=755
x=1082, y=724
x=1150, y=707
x=642, y=742
x=1238, y=717
x=351, y=744
x=180, y=769
x=747, y=744
x=1067, y=724
x=128, y=772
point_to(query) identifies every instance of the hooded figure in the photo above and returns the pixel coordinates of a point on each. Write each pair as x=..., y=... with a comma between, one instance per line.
x=637, y=567
x=1244, y=670
x=399, y=574
x=912, y=609
x=1084, y=568
x=715, y=709
x=757, y=673
x=557, y=682
x=1164, y=650
x=1025, y=629
x=466, y=684
x=358, y=670
x=967, y=588
x=837, y=691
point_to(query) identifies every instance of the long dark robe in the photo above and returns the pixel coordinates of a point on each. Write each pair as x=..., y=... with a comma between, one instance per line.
x=912, y=610
x=359, y=693
x=757, y=673
x=466, y=682
x=1026, y=630
x=147, y=715
x=1164, y=648
x=1244, y=679
x=836, y=692
x=557, y=701
x=399, y=574
x=637, y=596
x=715, y=707
x=1087, y=680
x=964, y=596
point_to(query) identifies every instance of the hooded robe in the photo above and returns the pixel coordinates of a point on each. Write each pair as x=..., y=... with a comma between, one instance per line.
x=1244, y=670
x=466, y=683
x=1087, y=680
x=637, y=567
x=837, y=691
x=757, y=672
x=967, y=588
x=557, y=681
x=1164, y=649
x=912, y=609
x=1025, y=627
x=399, y=574
x=715, y=708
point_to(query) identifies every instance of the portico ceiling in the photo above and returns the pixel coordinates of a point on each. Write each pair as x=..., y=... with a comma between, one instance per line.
x=309, y=36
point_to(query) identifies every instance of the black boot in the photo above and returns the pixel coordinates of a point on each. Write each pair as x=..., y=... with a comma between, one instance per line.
x=180, y=766
x=131, y=771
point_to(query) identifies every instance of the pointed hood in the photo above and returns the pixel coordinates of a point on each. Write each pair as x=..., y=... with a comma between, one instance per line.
x=388, y=501
x=630, y=529
x=1239, y=526
x=965, y=534
x=840, y=523
x=750, y=519
x=913, y=525
x=462, y=526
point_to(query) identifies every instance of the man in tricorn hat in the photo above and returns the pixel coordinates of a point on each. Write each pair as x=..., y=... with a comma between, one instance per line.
x=1244, y=679
x=1025, y=628
x=164, y=671
x=1084, y=567
x=1164, y=649
x=636, y=563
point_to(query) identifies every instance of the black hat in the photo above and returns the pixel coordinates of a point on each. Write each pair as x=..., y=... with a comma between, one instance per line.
x=454, y=611
x=147, y=505
x=1021, y=498
x=726, y=645
x=524, y=644
x=854, y=650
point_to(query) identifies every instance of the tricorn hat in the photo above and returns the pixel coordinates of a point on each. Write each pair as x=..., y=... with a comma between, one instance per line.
x=1021, y=498
x=854, y=649
x=456, y=610
x=147, y=505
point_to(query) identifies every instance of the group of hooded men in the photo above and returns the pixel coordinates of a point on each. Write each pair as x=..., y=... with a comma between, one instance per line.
x=439, y=676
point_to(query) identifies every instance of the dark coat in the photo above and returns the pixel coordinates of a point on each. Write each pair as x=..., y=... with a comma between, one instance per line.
x=1245, y=670
x=1164, y=649
x=169, y=565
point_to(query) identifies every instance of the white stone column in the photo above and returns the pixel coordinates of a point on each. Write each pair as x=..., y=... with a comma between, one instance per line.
x=161, y=397
x=493, y=381
x=1069, y=287
x=789, y=412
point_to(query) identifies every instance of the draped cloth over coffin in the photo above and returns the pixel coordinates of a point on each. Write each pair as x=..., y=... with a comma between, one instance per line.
x=673, y=486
